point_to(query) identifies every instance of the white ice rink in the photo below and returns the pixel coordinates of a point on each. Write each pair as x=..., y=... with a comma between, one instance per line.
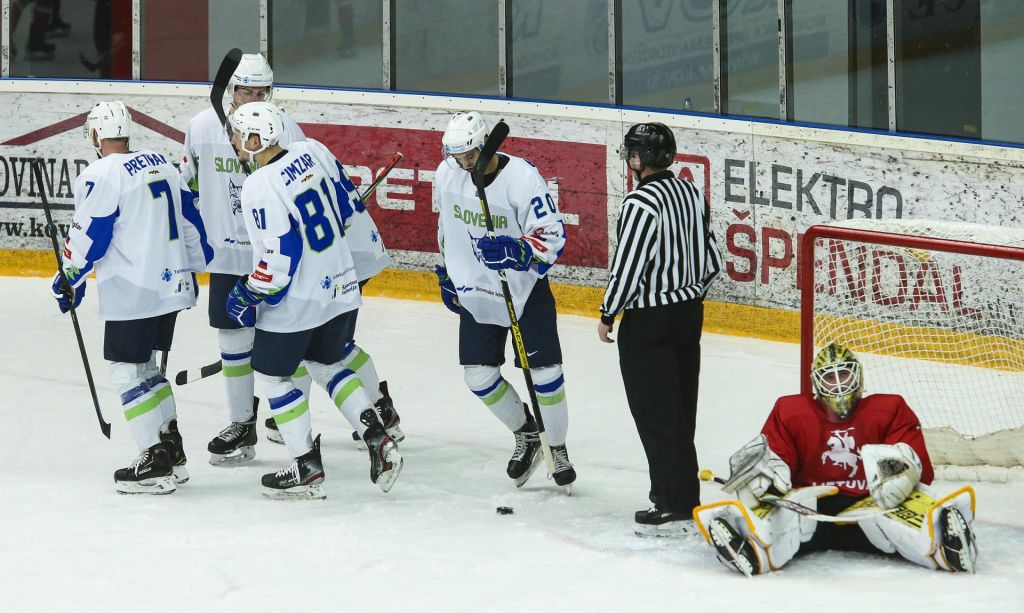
x=434, y=543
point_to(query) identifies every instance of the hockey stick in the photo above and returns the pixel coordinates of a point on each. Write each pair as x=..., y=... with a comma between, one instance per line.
x=801, y=509
x=163, y=363
x=51, y=229
x=494, y=140
x=195, y=374
x=220, y=85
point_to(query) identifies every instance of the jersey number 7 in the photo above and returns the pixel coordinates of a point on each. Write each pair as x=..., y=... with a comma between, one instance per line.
x=163, y=189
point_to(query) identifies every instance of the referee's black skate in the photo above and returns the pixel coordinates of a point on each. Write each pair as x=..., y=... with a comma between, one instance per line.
x=234, y=445
x=302, y=479
x=733, y=550
x=172, y=440
x=385, y=461
x=150, y=473
x=526, y=456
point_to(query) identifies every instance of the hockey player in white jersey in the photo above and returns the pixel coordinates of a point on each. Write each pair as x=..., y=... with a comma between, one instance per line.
x=213, y=171
x=141, y=233
x=529, y=237
x=302, y=295
x=370, y=259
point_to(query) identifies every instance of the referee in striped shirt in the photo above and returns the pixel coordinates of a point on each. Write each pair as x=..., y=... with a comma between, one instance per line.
x=666, y=259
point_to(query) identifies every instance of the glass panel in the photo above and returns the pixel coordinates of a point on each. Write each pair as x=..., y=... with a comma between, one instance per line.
x=938, y=67
x=560, y=50
x=1002, y=47
x=666, y=55
x=447, y=46
x=186, y=40
x=335, y=43
x=839, y=65
x=71, y=39
x=750, y=62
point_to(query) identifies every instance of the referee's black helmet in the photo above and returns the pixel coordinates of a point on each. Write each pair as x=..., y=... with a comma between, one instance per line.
x=653, y=142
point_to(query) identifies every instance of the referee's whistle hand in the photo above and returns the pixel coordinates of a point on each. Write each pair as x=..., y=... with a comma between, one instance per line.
x=603, y=330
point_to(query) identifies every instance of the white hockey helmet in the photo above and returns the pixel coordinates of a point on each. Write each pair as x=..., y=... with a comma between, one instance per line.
x=253, y=71
x=260, y=118
x=465, y=131
x=107, y=120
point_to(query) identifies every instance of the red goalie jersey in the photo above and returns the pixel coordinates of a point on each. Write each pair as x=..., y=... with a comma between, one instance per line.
x=822, y=452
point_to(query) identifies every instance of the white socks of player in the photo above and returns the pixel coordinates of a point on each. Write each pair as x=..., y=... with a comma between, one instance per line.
x=141, y=401
x=346, y=390
x=495, y=392
x=290, y=409
x=360, y=362
x=235, y=356
x=550, y=385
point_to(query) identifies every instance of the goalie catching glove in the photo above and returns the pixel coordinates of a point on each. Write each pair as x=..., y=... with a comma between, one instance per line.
x=756, y=470
x=892, y=472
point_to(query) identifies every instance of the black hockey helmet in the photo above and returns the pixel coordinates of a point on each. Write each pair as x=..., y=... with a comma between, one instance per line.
x=653, y=142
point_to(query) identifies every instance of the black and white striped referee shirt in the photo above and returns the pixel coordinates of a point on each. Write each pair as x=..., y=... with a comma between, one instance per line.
x=666, y=252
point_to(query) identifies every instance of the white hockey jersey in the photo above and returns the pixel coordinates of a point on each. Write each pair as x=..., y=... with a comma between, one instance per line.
x=364, y=240
x=520, y=206
x=295, y=210
x=141, y=232
x=211, y=169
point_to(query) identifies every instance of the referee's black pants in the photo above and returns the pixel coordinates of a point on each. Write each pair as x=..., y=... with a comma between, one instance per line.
x=659, y=355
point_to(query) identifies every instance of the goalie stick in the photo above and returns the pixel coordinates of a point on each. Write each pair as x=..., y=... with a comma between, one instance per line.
x=220, y=85
x=801, y=509
x=494, y=140
x=195, y=374
x=51, y=229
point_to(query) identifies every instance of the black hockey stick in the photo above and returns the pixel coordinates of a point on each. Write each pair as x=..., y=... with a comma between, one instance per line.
x=195, y=374
x=800, y=509
x=220, y=85
x=494, y=140
x=51, y=229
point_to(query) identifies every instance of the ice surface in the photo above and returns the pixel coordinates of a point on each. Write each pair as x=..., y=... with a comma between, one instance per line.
x=434, y=543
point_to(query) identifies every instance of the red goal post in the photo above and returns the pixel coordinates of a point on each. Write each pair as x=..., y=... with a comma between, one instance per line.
x=935, y=311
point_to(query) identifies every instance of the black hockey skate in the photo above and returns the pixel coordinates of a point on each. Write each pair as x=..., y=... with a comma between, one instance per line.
x=385, y=461
x=150, y=473
x=234, y=445
x=526, y=456
x=273, y=434
x=655, y=522
x=303, y=478
x=733, y=550
x=388, y=416
x=564, y=474
x=958, y=546
x=172, y=440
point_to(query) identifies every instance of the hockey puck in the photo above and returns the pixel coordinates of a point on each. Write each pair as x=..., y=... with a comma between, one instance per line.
x=505, y=510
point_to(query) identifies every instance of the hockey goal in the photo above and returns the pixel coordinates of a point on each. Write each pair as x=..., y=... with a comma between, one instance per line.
x=935, y=312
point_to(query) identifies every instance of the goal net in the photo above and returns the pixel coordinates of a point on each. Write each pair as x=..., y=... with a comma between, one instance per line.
x=935, y=312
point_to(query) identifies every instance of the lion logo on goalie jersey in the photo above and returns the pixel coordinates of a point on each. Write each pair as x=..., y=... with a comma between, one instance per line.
x=841, y=451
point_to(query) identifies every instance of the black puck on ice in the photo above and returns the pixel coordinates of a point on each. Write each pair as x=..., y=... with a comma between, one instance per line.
x=505, y=510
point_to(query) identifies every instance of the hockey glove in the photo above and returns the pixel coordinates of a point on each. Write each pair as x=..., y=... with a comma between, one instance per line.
x=755, y=469
x=60, y=292
x=242, y=301
x=448, y=294
x=501, y=252
x=892, y=471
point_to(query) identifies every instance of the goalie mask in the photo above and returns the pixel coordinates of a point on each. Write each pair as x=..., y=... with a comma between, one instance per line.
x=837, y=379
x=107, y=120
x=465, y=132
x=253, y=71
x=260, y=118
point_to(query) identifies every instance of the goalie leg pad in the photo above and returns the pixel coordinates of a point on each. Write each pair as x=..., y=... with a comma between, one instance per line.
x=924, y=530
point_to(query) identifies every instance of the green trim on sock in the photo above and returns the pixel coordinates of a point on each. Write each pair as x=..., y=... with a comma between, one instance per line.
x=552, y=399
x=341, y=395
x=148, y=404
x=359, y=361
x=300, y=372
x=497, y=395
x=240, y=370
x=286, y=416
